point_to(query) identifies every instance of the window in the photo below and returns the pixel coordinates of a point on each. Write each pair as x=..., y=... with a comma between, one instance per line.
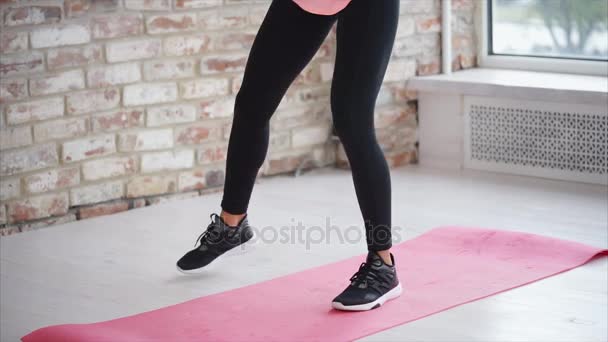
x=554, y=35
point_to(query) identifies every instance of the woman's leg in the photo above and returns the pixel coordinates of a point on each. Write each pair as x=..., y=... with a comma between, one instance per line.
x=288, y=38
x=286, y=41
x=366, y=33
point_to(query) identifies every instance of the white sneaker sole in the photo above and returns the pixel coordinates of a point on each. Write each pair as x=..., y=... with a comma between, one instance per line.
x=194, y=271
x=392, y=294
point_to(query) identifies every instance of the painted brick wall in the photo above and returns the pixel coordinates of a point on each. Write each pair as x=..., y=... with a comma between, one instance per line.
x=109, y=105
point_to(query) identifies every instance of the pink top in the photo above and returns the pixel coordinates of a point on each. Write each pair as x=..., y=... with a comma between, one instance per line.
x=323, y=7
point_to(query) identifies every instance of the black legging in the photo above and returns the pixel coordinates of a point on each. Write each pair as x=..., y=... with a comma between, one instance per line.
x=287, y=40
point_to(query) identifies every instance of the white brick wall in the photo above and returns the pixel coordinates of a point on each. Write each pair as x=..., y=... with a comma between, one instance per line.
x=167, y=160
x=96, y=193
x=70, y=34
x=60, y=129
x=57, y=83
x=204, y=87
x=35, y=110
x=115, y=74
x=21, y=160
x=16, y=137
x=148, y=5
x=106, y=103
x=146, y=140
x=116, y=26
x=92, y=100
x=89, y=147
x=74, y=56
x=149, y=93
x=151, y=185
x=109, y=168
x=187, y=45
x=9, y=188
x=128, y=50
x=22, y=63
x=169, y=23
x=171, y=114
x=36, y=207
x=169, y=69
x=50, y=180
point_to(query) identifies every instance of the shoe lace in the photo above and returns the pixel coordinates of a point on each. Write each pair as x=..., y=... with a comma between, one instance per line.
x=364, y=274
x=367, y=277
x=211, y=230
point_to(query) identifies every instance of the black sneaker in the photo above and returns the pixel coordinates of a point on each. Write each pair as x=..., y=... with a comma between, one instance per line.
x=215, y=241
x=373, y=285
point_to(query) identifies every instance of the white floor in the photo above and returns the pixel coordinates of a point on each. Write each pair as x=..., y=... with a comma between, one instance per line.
x=118, y=265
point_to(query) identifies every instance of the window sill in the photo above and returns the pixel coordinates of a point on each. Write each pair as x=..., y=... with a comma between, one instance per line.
x=528, y=85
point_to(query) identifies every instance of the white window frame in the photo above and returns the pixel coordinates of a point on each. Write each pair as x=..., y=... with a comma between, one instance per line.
x=569, y=66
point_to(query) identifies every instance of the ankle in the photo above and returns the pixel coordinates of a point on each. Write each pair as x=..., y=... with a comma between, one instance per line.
x=386, y=256
x=232, y=220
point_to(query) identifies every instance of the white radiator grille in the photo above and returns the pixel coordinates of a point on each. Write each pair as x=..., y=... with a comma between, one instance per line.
x=536, y=138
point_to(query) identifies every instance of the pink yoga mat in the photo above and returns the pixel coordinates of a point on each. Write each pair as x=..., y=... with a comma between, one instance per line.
x=443, y=268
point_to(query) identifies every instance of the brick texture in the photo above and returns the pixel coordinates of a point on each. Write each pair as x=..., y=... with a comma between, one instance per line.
x=102, y=209
x=46, y=181
x=37, y=207
x=109, y=105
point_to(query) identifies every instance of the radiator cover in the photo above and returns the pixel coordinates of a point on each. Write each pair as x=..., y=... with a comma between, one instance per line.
x=545, y=139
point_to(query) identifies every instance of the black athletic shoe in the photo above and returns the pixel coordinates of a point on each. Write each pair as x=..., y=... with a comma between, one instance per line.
x=374, y=284
x=215, y=241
